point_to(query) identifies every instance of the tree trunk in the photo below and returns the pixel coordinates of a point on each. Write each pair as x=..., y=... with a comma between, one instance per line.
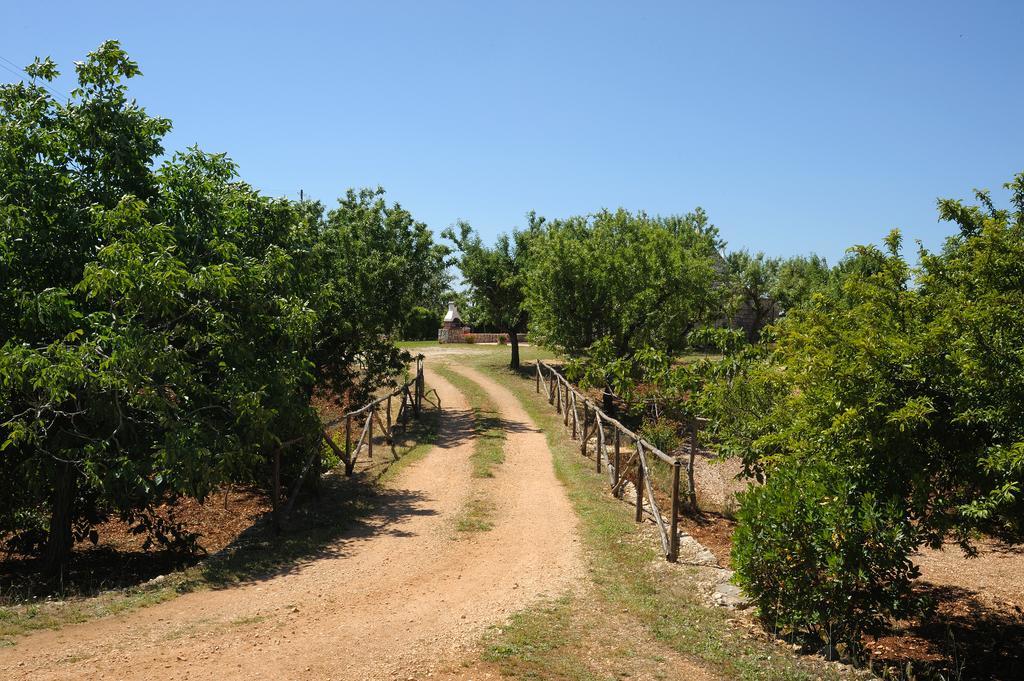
x=608, y=402
x=59, y=541
x=513, y=338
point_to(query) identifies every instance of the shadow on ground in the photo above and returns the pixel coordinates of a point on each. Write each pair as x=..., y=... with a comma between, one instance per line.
x=963, y=638
x=329, y=520
x=346, y=513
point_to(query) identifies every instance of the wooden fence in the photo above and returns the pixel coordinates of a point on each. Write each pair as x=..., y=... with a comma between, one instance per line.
x=411, y=394
x=585, y=419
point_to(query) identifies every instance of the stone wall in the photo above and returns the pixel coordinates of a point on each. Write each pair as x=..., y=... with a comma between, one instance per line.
x=464, y=335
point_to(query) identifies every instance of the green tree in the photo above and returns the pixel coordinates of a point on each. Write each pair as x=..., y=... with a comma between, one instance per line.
x=163, y=330
x=752, y=279
x=638, y=280
x=60, y=164
x=897, y=392
x=612, y=283
x=371, y=264
x=496, y=278
x=421, y=324
x=797, y=280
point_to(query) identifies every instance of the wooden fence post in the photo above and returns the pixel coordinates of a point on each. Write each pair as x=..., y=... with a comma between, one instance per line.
x=583, y=431
x=690, y=483
x=639, y=484
x=421, y=385
x=673, y=539
x=551, y=392
x=538, y=376
x=389, y=419
x=565, y=405
x=558, y=398
x=600, y=440
x=369, y=439
x=574, y=416
x=349, y=464
x=618, y=463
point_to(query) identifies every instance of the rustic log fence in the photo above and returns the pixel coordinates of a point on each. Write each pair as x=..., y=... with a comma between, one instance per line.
x=410, y=396
x=586, y=420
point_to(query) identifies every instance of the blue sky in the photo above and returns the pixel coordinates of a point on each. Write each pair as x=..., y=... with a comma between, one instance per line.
x=798, y=126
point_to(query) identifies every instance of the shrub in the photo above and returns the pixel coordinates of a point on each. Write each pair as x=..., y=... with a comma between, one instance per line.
x=821, y=558
x=420, y=324
x=662, y=433
x=502, y=339
x=469, y=338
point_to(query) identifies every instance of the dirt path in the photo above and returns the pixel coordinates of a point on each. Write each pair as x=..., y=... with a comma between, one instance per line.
x=650, y=659
x=401, y=597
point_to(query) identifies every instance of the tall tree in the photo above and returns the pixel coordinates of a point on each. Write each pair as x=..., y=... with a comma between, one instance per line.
x=637, y=280
x=372, y=262
x=60, y=165
x=887, y=415
x=496, y=278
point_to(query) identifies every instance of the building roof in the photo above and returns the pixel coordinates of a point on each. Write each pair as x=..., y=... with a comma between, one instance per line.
x=453, y=314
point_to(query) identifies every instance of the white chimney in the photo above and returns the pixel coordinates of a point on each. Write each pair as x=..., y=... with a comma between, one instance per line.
x=453, y=314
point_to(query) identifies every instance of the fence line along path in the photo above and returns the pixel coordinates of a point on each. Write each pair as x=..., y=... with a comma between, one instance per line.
x=585, y=419
x=412, y=393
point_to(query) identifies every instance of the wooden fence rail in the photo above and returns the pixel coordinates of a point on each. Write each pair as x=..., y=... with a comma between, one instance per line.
x=585, y=419
x=412, y=394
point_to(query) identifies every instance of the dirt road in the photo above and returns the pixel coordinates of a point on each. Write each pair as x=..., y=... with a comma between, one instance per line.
x=401, y=598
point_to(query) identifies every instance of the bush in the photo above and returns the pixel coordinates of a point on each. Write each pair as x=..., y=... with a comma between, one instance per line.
x=662, y=433
x=468, y=338
x=503, y=339
x=421, y=324
x=821, y=558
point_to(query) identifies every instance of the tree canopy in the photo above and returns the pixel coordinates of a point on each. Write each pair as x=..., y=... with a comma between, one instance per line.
x=798, y=278
x=890, y=403
x=752, y=280
x=162, y=329
x=635, y=279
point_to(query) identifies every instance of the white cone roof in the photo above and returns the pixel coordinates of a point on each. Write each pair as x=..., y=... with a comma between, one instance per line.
x=453, y=313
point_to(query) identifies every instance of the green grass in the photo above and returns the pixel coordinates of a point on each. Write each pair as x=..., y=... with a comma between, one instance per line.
x=477, y=515
x=416, y=443
x=489, y=450
x=628, y=573
x=18, y=620
x=539, y=643
x=409, y=345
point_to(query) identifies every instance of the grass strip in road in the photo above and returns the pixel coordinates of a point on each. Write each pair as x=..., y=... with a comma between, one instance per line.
x=630, y=576
x=477, y=515
x=536, y=643
x=489, y=450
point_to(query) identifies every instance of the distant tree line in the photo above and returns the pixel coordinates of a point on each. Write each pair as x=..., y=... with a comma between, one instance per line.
x=630, y=279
